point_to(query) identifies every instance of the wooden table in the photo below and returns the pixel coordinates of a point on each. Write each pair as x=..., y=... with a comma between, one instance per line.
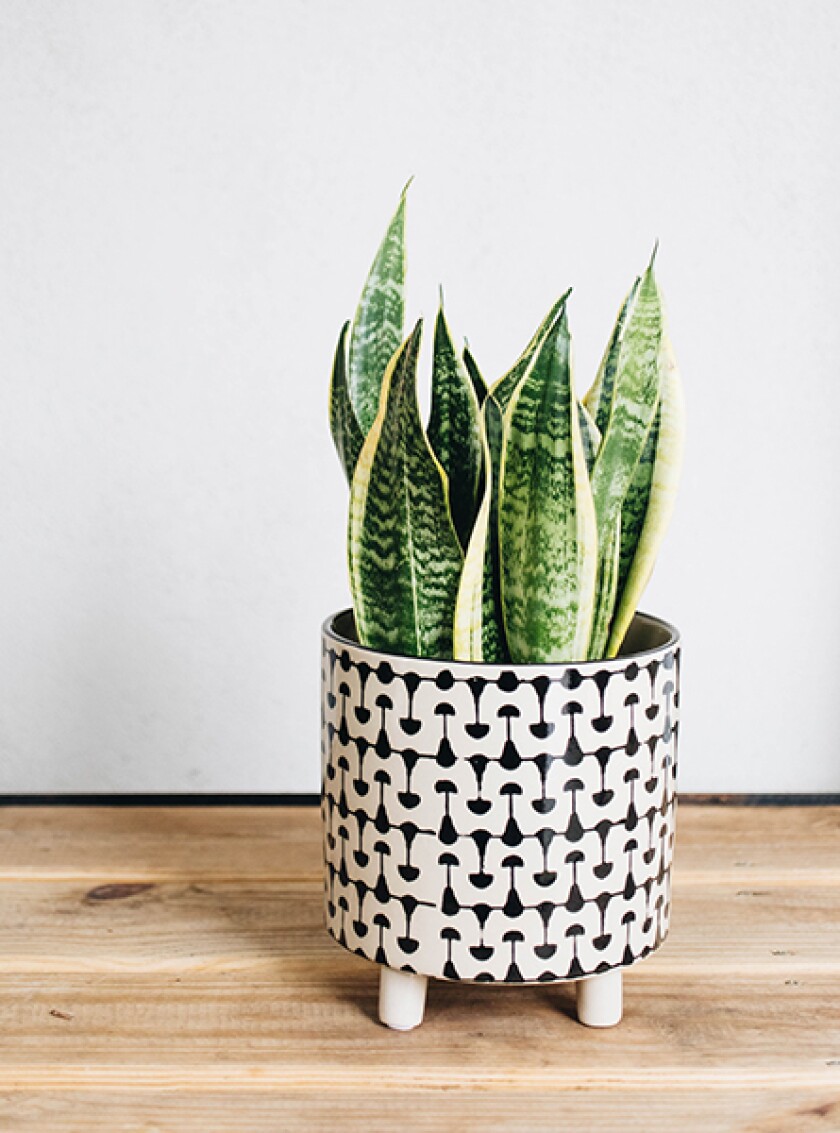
x=166, y=969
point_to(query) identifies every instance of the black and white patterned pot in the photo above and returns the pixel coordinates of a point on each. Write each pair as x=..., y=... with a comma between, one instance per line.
x=510, y=823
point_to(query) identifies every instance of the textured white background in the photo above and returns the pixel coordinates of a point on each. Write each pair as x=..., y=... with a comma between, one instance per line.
x=190, y=195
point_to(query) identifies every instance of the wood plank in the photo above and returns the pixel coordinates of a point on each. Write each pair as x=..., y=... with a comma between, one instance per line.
x=428, y=1111
x=160, y=843
x=319, y=1033
x=753, y=845
x=732, y=845
x=257, y=928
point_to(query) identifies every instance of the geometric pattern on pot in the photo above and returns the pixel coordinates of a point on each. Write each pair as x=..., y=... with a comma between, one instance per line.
x=508, y=823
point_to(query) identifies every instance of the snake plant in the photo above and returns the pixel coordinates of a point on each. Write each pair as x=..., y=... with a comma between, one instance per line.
x=521, y=523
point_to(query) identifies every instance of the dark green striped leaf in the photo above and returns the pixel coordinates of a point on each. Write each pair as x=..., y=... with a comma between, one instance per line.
x=606, y=589
x=405, y=559
x=455, y=430
x=661, y=496
x=547, y=527
x=599, y=399
x=635, y=506
x=378, y=324
x=590, y=435
x=343, y=424
x=634, y=401
x=479, y=384
x=479, y=631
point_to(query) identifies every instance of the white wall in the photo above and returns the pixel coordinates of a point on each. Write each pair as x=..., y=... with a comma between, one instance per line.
x=190, y=194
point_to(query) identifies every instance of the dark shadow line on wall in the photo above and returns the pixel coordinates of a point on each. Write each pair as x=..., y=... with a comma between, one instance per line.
x=827, y=799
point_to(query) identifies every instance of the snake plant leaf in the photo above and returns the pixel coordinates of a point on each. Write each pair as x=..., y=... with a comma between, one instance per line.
x=504, y=389
x=481, y=392
x=667, y=466
x=634, y=402
x=599, y=398
x=634, y=508
x=590, y=435
x=405, y=558
x=455, y=429
x=479, y=384
x=547, y=525
x=479, y=631
x=606, y=591
x=606, y=587
x=343, y=424
x=377, y=329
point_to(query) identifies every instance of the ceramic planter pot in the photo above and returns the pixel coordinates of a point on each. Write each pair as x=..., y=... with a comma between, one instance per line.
x=500, y=823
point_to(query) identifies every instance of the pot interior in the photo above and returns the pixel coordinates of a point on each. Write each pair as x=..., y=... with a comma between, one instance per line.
x=646, y=633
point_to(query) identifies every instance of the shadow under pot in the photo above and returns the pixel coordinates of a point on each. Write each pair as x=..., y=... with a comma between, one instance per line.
x=499, y=823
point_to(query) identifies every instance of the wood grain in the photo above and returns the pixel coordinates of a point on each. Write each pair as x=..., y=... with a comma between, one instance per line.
x=167, y=969
x=158, y=843
x=313, y=1028
x=422, y=1111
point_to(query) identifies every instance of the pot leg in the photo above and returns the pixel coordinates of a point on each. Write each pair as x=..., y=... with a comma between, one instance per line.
x=599, y=999
x=402, y=999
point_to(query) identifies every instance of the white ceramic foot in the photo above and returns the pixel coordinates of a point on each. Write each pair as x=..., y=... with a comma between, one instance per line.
x=402, y=999
x=599, y=999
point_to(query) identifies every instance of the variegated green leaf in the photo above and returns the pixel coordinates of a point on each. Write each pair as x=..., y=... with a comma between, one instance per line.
x=343, y=424
x=634, y=508
x=504, y=389
x=479, y=632
x=479, y=384
x=590, y=435
x=378, y=324
x=599, y=398
x=455, y=430
x=405, y=559
x=547, y=527
x=634, y=403
x=607, y=577
x=667, y=465
x=606, y=589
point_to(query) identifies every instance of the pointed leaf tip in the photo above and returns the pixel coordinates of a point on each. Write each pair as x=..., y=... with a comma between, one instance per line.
x=454, y=430
x=377, y=328
x=653, y=254
x=344, y=426
x=562, y=317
